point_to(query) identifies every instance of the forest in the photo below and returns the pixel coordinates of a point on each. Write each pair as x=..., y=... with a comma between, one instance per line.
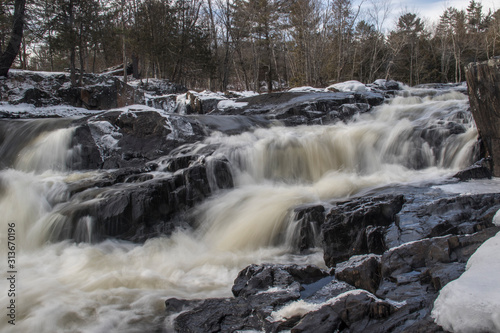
x=258, y=45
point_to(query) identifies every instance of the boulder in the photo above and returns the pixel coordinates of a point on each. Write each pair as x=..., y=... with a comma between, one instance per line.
x=260, y=278
x=346, y=229
x=351, y=311
x=479, y=170
x=362, y=271
x=134, y=137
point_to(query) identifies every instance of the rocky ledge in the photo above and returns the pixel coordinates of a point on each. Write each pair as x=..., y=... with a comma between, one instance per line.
x=389, y=256
x=391, y=292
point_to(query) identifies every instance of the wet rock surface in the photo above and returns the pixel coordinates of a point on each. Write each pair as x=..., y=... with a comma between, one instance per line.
x=393, y=292
x=390, y=288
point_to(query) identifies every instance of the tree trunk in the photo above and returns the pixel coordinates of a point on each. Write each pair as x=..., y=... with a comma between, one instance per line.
x=135, y=66
x=9, y=55
x=483, y=82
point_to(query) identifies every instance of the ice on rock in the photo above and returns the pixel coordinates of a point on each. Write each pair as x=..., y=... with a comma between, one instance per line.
x=472, y=302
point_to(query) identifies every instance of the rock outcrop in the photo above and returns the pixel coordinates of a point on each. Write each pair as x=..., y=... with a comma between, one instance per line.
x=97, y=92
x=393, y=292
x=299, y=108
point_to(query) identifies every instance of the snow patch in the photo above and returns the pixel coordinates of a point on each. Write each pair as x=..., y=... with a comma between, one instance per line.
x=472, y=302
x=30, y=111
x=348, y=86
x=306, y=89
x=477, y=186
x=496, y=219
x=207, y=94
x=227, y=104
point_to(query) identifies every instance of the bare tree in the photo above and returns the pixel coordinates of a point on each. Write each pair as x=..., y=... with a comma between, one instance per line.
x=10, y=53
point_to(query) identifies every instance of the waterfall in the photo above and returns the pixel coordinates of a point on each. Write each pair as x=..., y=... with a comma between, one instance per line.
x=117, y=286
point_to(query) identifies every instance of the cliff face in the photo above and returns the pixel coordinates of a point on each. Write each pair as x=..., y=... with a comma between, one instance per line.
x=483, y=81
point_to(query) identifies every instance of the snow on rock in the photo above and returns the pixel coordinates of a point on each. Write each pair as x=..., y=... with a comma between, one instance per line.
x=348, y=86
x=472, y=302
x=106, y=137
x=207, y=94
x=496, y=219
x=476, y=186
x=194, y=102
x=306, y=89
x=179, y=127
x=24, y=110
x=230, y=104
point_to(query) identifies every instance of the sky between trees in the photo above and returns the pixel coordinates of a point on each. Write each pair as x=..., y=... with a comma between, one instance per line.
x=257, y=44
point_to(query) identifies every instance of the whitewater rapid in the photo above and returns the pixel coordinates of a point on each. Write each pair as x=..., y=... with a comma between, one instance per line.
x=117, y=286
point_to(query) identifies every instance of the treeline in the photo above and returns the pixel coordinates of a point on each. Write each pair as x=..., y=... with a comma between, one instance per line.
x=252, y=44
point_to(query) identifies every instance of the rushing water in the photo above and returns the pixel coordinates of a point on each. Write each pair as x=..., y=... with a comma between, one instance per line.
x=116, y=286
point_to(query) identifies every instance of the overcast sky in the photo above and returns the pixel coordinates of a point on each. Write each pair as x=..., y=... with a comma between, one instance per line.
x=432, y=9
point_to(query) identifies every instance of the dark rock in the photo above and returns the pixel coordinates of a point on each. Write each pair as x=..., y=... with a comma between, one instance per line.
x=360, y=271
x=175, y=305
x=345, y=228
x=324, y=320
x=258, y=278
x=223, y=315
x=160, y=87
x=177, y=162
x=133, y=205
x=442, y=274
x=85, y=154
x=350, y=312
x=414, y=273
x=478, y=170
x=430, y=213
x=133, y=138
x=385, y=85
x=309, y=220
x=36, y=96
x=406, y=258
x=330, y=290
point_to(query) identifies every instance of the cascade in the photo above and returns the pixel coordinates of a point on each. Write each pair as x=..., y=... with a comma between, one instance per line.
x=119, y=286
